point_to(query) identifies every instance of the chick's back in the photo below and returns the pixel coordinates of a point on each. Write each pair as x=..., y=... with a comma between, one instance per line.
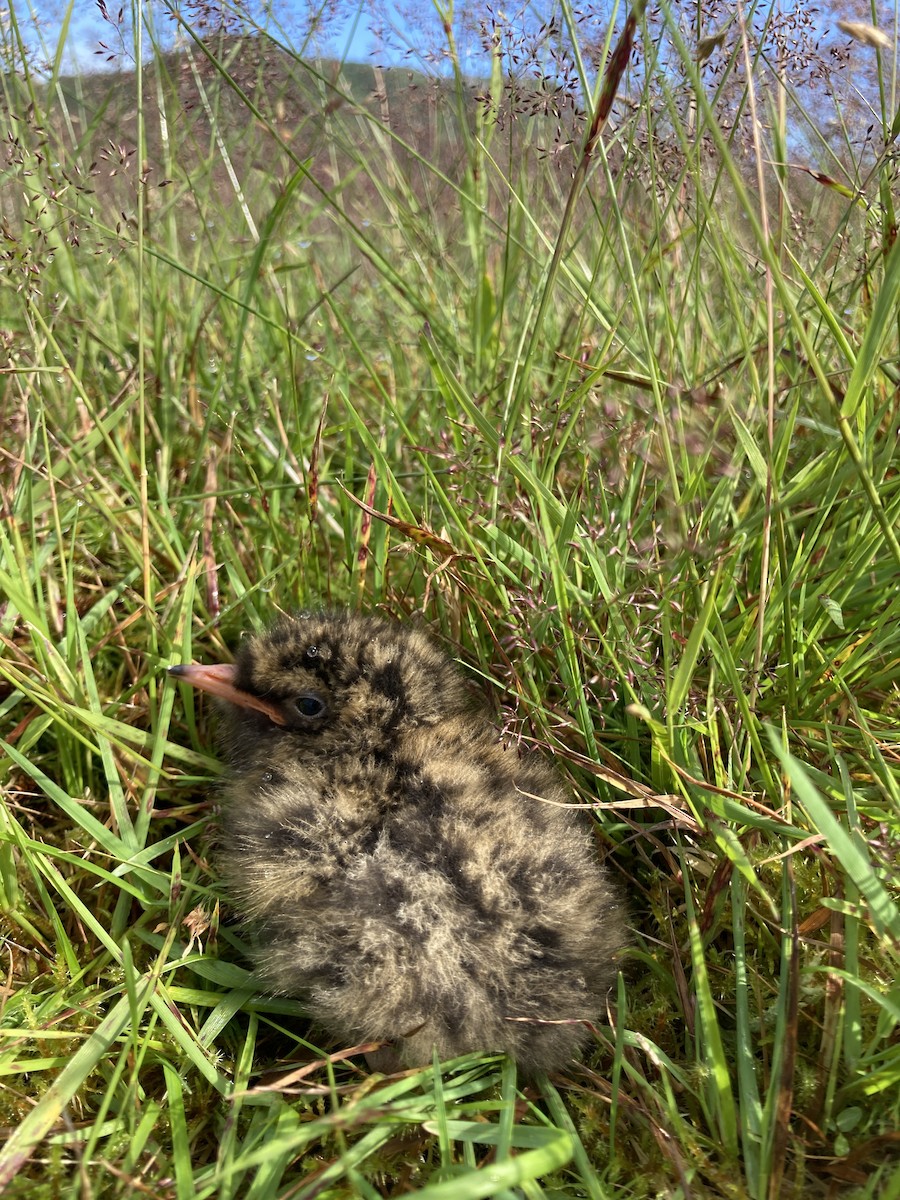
x=411, y=878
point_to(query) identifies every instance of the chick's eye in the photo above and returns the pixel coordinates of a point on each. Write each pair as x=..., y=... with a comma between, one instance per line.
x=310, y=705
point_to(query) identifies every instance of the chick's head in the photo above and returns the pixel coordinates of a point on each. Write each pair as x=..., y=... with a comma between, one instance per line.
x=331, y=682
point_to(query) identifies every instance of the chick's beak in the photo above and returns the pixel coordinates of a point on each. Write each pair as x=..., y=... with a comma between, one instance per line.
x=219, y=681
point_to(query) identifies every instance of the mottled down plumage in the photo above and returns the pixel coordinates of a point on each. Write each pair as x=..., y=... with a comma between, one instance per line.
x=399, y=868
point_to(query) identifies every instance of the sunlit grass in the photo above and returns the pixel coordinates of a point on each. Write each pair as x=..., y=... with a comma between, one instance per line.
x=634, y=467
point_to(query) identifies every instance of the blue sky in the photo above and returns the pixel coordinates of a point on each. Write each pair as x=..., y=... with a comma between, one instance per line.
x=345, y=32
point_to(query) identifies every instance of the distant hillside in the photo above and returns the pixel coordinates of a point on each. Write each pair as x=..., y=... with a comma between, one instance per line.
x=231, y=123
x=241, y=115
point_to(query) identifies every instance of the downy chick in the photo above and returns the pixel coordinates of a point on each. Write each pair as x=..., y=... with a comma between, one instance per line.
x=399, y=868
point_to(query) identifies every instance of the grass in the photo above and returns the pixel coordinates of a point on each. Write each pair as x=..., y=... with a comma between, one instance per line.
x=616, y=417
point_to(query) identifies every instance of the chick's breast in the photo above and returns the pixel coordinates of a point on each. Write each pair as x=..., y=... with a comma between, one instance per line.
x=411, y=878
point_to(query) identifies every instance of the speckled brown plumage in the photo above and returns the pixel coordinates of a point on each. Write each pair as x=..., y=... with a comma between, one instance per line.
x=399, y=868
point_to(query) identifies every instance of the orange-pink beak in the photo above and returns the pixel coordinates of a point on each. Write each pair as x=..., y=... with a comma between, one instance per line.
x=219, y=681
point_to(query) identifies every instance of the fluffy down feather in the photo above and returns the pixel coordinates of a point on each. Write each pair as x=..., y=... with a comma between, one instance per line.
x=398, y=867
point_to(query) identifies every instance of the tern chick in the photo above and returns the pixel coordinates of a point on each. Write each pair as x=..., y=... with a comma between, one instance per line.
x=400, y=870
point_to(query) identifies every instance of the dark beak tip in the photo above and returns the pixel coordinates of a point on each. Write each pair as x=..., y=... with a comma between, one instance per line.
x=177, y=669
